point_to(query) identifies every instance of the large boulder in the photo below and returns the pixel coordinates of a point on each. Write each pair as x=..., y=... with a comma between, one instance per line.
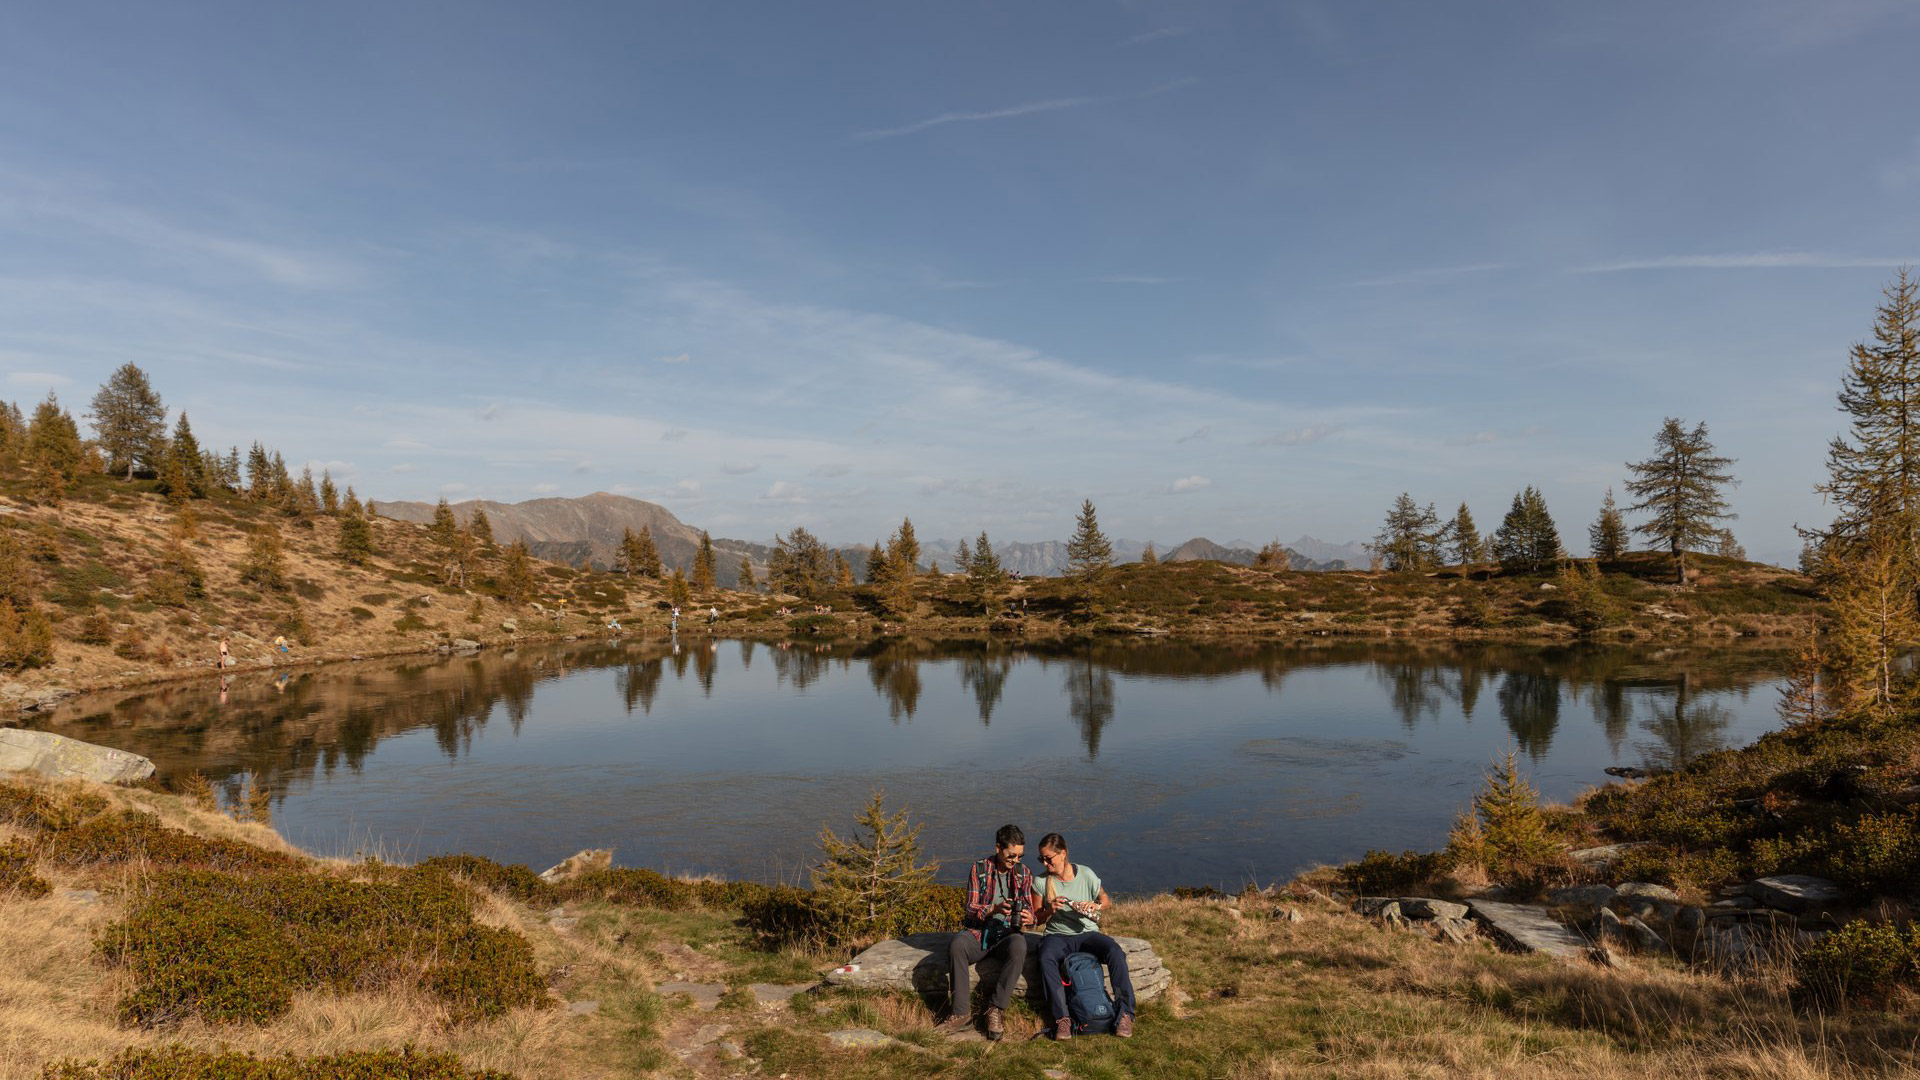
x=918, y=962
x=62, y=758
x=1797, y=893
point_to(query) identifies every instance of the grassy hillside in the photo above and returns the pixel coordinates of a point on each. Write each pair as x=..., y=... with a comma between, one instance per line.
x=104, y=957
x=97, y=566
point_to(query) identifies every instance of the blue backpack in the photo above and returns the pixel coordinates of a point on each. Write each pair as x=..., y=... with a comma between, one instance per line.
x=1088, y=1005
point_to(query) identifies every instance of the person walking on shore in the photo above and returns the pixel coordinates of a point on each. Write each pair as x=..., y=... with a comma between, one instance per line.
x=999, y=908
x=225, y=658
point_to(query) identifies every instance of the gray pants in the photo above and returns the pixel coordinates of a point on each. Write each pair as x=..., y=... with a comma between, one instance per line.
x=965, y=952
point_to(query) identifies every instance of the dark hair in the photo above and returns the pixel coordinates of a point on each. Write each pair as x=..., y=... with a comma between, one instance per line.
x=1008, y=836
x=1053, y=841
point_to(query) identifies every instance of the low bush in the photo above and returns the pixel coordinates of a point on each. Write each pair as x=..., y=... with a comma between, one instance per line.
x=131, y=836
x=1860, y=962
x=43, y=807
x=232, y=948
x=16, y=873
x=1382, y=873
x=516, y=881
x=187, y=1063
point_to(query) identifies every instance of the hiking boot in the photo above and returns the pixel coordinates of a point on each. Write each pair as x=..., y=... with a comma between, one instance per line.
x=1062, y=1029
x=1123, y=1025
x=996, y=1023
x=955, y=1024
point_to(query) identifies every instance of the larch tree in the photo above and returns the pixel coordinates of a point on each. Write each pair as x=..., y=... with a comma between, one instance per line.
x=1680, y=486
x=480, y=528
x=799, y=564
x=1874, y=624
x=329, y=494
x=638, y=553
x=1873, y=471
x=1148, y=556
x=1409, y=539
x=1607, y=536
x=706, y=564
x=871, y=883
x=1463, y=538
x=1089, y=549
x=356, y=539
x=746, y=583
x=876, y=566
x=129, y=421
x=1272, y=556
x=962, y=557
x=54, y=452
x=351, y=505
x=984, y=574
x=265, y=562
x=184, y=465
x=516, y=576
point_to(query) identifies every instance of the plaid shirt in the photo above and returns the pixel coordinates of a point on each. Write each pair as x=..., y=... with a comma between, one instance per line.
x=1017, y=883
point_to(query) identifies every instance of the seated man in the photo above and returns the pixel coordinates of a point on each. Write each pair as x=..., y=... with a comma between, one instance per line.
x=1070, y=908
x=999, y=906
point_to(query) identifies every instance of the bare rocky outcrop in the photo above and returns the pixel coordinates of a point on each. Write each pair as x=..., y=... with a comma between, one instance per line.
x=61, y=758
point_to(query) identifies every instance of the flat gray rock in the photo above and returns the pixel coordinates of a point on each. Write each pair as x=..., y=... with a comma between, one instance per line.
x=918, y=962
x=60, y=758
x=1420, y=907
x=1795, y=892
x=1582, y=896
x=83, y=897
x=859, y=1039
x=1647, y=890
x=1603, y=856
x=583, y=1008
x=706, y=996
x=1529, y=929
x=776, y=993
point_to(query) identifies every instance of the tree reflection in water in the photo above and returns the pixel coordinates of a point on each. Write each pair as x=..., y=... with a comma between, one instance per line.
x=986, y=677
x=1530, y=705
x=1683, y=730
x=1090, y=701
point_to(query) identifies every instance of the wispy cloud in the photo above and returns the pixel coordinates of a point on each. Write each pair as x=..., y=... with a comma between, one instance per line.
x=1298, y=436
x=1161, y=34
x=1436, y=273
x=832, y=469
x=1008, y=113
x=741, y=468
x=1136, y=279
x=1475, y=438
x=679, y=358
x=1755, y=261
x=1193, y=436
x=784, y=492
x=47, y=379
x=673, y=434
x=1188, y=483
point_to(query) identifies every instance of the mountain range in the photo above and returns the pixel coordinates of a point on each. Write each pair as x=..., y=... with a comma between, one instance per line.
x=586, y=531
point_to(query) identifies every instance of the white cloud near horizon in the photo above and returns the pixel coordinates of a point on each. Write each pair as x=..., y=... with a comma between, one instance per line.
x=1188, y=483
x=49, y=379
x=1298, y=436
x=1749, y=261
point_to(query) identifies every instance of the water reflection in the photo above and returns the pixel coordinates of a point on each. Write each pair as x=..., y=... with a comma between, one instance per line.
x=1253, y=748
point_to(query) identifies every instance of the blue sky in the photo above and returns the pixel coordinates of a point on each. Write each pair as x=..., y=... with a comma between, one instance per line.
x=1235, y=270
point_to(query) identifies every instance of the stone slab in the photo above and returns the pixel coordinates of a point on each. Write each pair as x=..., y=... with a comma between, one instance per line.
x=1604, y=855
x=859, y=1039
x=1528, y=928
x=60, y=758
x=919, y=963
x=706, y=996
x=1420, y=907
x=777, y=993
x=1647, y=890
x=1795, y=892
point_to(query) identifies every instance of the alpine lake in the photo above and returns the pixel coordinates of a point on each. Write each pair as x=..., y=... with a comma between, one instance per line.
x=1163, y=764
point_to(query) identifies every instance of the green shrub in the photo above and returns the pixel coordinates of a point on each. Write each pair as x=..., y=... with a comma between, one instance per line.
x=1861, y=962
x=233, y=948
x=47, y=808
x=186, y=1063
x=516, y=881
x=16, y=872
x=409, y=623
x=1506, y=834
x=1381, y=873
x=132, y=836
x=1875, y=852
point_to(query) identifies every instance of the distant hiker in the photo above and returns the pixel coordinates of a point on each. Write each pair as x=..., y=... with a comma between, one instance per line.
x=280, y=642
x=713, y=615
x=673, y=624
x=999, y=908
x=225, y=658
x=613, y=624
x=1071, y=907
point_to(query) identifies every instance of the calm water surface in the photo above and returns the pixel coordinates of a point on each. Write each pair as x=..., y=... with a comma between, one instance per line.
x=1162, y=764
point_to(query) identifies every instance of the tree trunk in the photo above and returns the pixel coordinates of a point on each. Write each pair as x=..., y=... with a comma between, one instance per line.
x=1680, y=564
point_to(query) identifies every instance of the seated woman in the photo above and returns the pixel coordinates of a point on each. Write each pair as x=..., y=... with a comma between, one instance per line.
x=1071, y=913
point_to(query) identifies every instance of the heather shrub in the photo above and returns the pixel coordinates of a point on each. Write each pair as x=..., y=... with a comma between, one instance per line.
x=187, y=1063
x=1860, y=962
x=1382, y=873
x=16, y=873
x=132, y=836
x=516, y=881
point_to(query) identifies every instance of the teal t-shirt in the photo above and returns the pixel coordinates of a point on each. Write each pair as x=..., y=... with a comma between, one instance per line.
x=1085, y=888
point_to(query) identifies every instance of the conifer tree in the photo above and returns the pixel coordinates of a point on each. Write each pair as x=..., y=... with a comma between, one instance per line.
x=1680, y=484
x=356, y=539
x=1607, y=536
x=1463, y=538
x=984, y=574
x=1089, y=549
x=747, y=584
x=444, y=524
x=1505, y=832
x=1410, y=537
x=1873, y=471
x=306, y=492
x=184, y=465
x=1874, y=624
x=871, y=883
x=1272, y=556
x=843, y=572
x=638, y=556
x=903, y=550
x=1728, y=547
x=350, y=506
x=265, y=564
x=516, y=577
x=259, y=474
x=1527, y=538
x=54, y=453
x=26, y=636
x=877, y=565
x=706, y=564
x=677, y=590
x=799, y=564
x=129, y=421
x=480, y=528
x=1803, y=696
x=230, y=470
x=1150, y=557
x=329, y=494
x=962, y=557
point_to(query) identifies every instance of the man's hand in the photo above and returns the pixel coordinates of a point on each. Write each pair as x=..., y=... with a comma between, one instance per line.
x=1026, y=917
x=1004, y=907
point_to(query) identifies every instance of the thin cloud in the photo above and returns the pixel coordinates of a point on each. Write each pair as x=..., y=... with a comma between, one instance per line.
x=1027, y=109
x=1298, y=436
x=1437, y=273
x=1161, y=34
x=1188, y=483
x=832, y=470
x=1194, y=436
x=679, y=359
x=38, y=378
x=740, y=468
x=1756, y=261
x=1136, y=279
x=673, y=434
x=784, y=492
x=1475, y=439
